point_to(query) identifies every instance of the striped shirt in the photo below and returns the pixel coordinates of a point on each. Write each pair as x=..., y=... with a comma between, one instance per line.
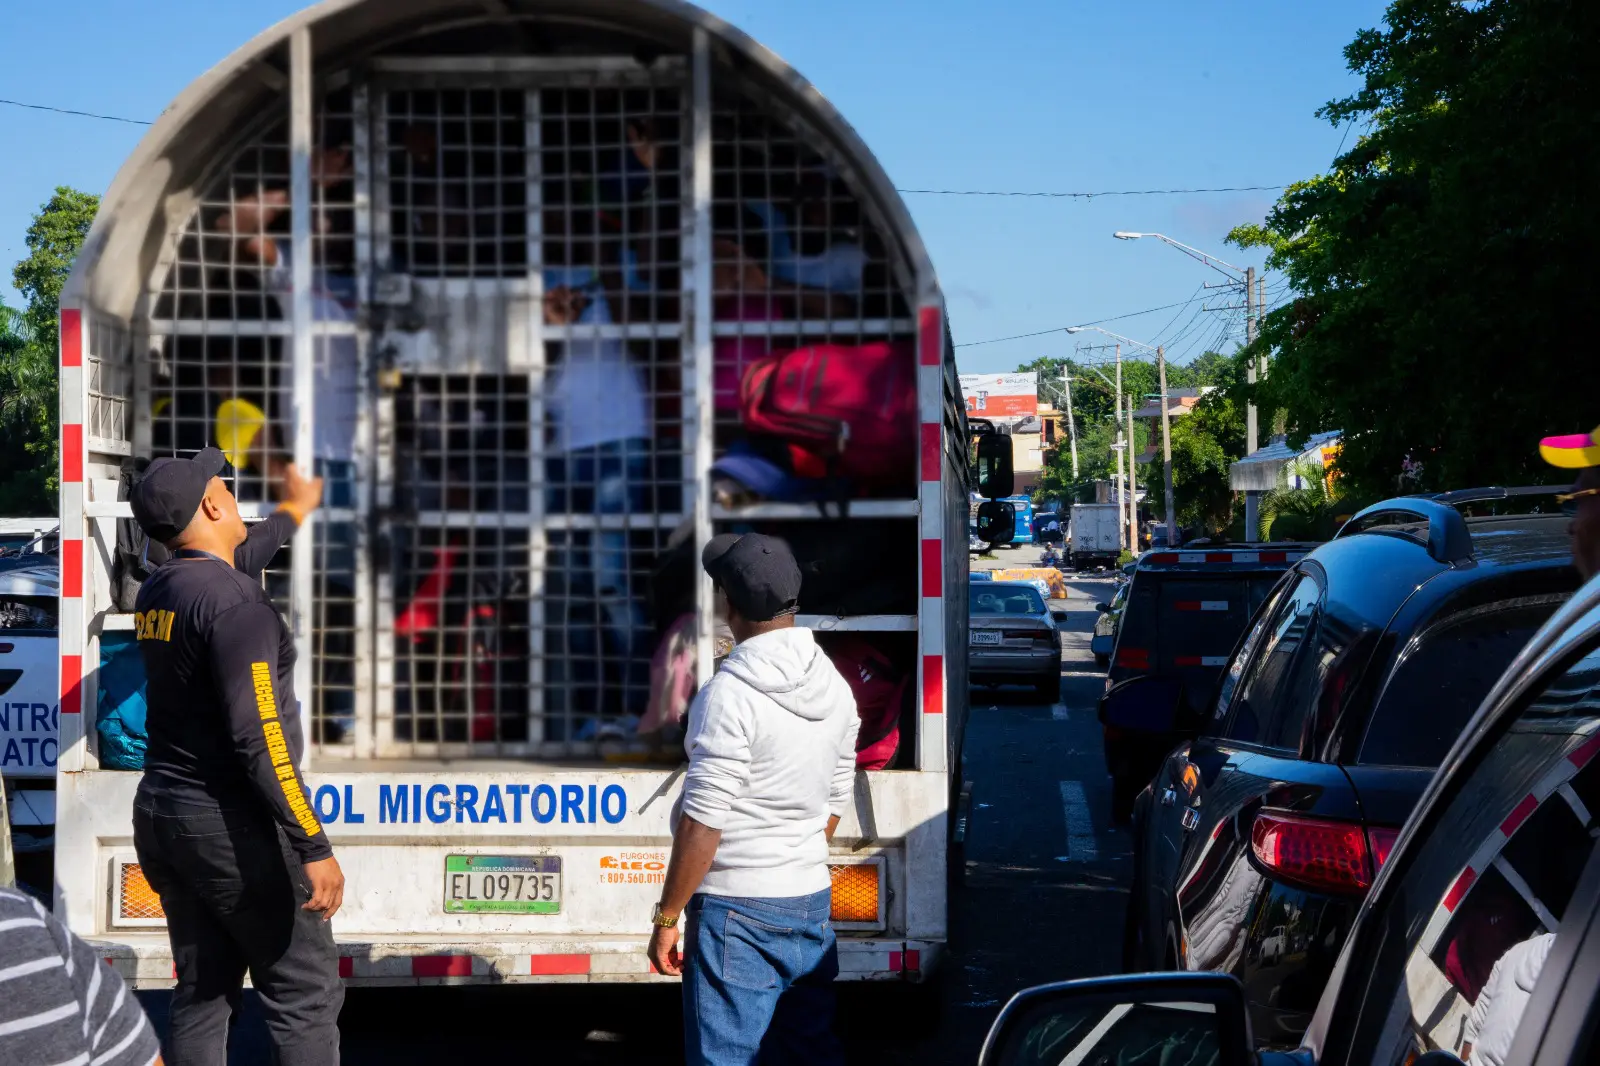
x=60, y=1005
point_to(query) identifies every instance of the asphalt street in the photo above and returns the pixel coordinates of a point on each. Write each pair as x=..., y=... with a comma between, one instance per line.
x=1040, y=898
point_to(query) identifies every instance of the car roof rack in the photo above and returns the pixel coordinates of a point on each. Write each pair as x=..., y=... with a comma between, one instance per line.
x=1448, y=540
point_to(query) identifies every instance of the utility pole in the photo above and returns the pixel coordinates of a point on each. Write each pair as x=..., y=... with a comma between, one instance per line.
x=1250, y=429
x=1166, y=450
x=1252, y=498
x=1133, y=487
x=1261, y=312
x=1072, y=427
x=1120, y=446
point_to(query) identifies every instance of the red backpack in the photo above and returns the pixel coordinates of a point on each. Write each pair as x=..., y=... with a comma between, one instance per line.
x=844, y=411
x=881, y=689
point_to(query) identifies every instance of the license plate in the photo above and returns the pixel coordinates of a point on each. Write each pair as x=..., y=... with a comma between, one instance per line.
x=502, y=884
x=980, y=636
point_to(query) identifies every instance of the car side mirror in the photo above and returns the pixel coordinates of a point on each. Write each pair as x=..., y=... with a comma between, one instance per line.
x=1102, y=607
x=1178, y=1017
x=1143, y=705
x=997, y=523
x=1059, y=616
x=995, y=476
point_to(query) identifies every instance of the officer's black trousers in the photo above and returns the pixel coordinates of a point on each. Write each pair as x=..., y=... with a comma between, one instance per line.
x=232, y=891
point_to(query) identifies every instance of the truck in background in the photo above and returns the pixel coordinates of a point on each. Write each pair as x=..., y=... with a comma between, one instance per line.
x=1096, y=540
x=504, y=233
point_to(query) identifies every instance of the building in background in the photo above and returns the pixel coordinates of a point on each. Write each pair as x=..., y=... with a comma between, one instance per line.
x=1011, y=402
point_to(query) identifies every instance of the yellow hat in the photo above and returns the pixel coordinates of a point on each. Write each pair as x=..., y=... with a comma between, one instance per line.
x=239, y=422
x=1574, y=451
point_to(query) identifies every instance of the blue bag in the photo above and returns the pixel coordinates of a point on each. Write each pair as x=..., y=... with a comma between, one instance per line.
x=120, y=709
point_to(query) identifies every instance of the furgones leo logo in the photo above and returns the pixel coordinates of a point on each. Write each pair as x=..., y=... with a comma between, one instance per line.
x=633, y=868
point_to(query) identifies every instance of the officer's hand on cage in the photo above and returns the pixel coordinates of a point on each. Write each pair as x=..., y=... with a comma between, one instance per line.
x=299, y=494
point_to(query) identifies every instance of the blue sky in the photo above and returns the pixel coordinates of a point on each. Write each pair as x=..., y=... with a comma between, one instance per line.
x=1067, y=95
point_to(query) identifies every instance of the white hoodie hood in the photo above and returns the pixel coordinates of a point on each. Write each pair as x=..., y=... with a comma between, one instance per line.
x=787, y=667
x=772, y=747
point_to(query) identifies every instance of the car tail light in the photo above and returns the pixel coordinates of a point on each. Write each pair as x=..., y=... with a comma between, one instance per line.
x=1313, y=853
x=1133, y=658
x=1381, y=839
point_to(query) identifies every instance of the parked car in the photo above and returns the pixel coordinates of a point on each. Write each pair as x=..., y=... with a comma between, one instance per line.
x=1478, y=937
x=30, y=584
x=1013, y=639
x=1354, y=679
x=1184, y=613
x=1105, y=626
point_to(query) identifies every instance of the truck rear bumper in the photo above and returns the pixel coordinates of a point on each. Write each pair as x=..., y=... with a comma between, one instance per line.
x=144, y=960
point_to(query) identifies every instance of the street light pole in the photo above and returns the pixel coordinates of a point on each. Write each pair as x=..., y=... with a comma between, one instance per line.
x=1121, y=446
x=1166, y=450
x=1072, y=427
x=1133, y=486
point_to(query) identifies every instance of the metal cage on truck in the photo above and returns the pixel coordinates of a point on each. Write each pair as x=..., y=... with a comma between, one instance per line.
x=487, y=268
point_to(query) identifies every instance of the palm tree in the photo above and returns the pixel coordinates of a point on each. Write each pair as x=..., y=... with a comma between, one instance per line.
x=1304, y=513
x=27, y=374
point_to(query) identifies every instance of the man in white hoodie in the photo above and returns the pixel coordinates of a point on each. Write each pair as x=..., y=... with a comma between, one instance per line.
x=772, y=749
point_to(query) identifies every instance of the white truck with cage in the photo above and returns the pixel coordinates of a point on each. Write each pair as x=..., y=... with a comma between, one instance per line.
x=489, y=267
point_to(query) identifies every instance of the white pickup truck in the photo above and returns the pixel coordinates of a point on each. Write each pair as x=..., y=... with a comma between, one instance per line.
x=487, y=206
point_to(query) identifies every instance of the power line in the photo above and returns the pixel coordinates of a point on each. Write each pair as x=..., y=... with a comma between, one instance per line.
x=81, y=114
x=1087, y=195
x=1096, y=322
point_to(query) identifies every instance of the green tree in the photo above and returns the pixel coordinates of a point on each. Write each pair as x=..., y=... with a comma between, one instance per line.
x=29, y=341
x=1443, y=268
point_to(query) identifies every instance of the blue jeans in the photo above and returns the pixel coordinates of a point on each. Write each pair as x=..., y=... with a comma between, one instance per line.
x=758, y=982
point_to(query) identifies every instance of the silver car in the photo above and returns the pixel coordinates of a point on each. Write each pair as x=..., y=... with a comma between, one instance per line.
x=1012, y=638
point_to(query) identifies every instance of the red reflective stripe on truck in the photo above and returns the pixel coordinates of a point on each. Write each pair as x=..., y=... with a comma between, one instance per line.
x=72, y=569
x=1161, y=558
x=71, y=453
x=347, y=966
x=1186, y=660
x=1584, y=752
x=933, y=684
x=552, y=965
x=1274, y=557
x=441, y=966
x=71, y=337
x=1200, y=605
x=909, y=961
x=1519, y=814
x=1458, y=891
x=930, y=451
x=932, y=568
x=71, y=684
x=930, y=336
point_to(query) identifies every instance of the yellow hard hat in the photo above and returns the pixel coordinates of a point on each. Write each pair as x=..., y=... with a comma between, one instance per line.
x=239, y=422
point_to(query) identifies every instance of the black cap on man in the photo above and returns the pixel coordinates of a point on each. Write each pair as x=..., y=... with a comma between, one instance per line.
x=756, y=572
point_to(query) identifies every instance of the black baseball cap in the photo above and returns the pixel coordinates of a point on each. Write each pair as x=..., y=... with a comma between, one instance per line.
x=757, y=572
x=167, y=496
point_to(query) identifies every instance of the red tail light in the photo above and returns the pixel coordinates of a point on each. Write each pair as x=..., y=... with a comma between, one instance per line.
x=1133, y=658
x=1313, y=853
x=1382, y=839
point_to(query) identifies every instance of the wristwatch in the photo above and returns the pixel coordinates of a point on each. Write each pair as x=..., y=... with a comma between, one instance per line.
x=658, y=918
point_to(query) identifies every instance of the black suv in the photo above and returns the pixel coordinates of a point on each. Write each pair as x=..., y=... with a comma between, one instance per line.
x=1184, y=613
x=1257, y=841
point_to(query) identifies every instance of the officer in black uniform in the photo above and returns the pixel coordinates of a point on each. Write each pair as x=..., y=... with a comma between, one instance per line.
x=222, y=821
